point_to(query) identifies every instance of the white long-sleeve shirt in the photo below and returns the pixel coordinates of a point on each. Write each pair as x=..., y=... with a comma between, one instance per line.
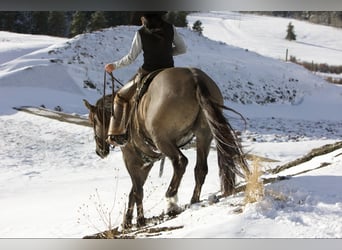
x=136, y=49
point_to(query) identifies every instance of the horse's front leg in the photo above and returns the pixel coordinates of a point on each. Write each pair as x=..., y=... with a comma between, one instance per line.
x=135, y=198
x=141, y=221
x=127, y=223
x=138, y=171
x=139, y=192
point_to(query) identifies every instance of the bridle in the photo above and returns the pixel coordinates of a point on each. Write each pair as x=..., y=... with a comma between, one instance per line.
x=102, y=138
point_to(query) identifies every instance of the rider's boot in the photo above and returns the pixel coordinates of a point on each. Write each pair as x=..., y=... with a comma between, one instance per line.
x=117, y=132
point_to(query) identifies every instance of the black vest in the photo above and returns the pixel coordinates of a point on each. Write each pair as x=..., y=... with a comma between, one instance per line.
x=157, y=47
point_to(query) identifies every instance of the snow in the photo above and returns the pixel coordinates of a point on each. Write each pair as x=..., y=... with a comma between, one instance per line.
x=53, y=185
x=253, y=32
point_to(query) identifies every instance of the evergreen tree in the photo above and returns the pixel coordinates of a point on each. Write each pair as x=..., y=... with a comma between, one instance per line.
x=22, y=23
x=177, y=18
x=115, y=18
x=97, y=21
x=197, y=26
x=290, y=32
x=135, y=18
x=56, y=23
x=171, y=17
x=78, y=23
x=7, y=20
x=16, y=21
x=39, y=22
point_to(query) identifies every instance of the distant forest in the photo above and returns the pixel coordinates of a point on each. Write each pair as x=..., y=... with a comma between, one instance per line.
x=71, y=23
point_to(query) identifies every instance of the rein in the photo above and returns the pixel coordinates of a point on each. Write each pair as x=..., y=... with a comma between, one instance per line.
x=104, y=98
x=116, y=79
x=103, y=108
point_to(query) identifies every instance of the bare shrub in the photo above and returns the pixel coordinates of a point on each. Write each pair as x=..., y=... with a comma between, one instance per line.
x=254, y=190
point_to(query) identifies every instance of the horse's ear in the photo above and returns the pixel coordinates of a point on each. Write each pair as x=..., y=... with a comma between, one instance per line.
x=88, y=105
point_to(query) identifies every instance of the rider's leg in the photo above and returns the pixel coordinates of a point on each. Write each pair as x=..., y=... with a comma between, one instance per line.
x=117, y=132
x=118, y=122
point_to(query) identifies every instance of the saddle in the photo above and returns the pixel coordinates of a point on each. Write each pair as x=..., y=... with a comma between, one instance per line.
x=145, y=83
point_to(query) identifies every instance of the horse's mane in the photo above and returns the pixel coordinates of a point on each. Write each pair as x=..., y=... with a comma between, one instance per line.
x=107, y=103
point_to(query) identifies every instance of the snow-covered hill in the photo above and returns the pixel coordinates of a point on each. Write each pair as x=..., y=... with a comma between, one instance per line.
x=52, y=182
x=75, y=67
x=265, y=35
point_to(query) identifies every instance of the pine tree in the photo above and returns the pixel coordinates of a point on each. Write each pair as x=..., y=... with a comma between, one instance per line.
x=171, y=17
x=56, y=23
x=22, y=22
x=40, y=22
x=8, y=20
x=177, y=18
x=78, y=24
x=97, y=21
x=197, y=26
x=115, y=18
x=290, y=32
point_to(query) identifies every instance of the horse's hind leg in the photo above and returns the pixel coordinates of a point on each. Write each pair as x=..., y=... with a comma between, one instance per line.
x=203, y=140
x=179, y=163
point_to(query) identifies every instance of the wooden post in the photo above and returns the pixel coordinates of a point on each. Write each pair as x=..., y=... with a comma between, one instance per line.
x=287, y=52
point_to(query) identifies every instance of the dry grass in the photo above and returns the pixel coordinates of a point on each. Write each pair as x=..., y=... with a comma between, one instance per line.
x=104, y=215
x=254, y=190
x=104, y=212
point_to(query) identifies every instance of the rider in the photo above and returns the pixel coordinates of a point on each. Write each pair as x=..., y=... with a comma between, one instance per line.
x=159, y=42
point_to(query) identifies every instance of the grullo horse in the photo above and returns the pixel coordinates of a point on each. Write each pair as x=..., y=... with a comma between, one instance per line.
x=179, y=105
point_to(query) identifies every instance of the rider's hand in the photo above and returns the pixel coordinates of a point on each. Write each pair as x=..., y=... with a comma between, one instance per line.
x=109, y=67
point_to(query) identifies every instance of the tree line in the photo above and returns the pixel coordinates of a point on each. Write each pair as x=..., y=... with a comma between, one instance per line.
x=71, y=23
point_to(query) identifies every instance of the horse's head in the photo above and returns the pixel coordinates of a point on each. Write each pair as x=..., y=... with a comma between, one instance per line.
x=99, y=118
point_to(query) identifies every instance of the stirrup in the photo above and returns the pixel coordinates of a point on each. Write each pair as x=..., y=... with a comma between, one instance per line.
x=120, y=140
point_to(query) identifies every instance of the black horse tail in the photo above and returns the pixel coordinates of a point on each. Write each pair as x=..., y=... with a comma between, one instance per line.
x=229, y=151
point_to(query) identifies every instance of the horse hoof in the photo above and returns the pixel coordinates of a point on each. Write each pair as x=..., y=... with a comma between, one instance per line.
x=173, y=210
x=127, y=225
x=174, y=213
x=194, y=201
x=141, y=222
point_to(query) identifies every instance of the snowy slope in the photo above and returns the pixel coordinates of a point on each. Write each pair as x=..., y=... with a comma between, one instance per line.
x=15, y=45
x=244, y=77
x=52, y=182
x=265, y=35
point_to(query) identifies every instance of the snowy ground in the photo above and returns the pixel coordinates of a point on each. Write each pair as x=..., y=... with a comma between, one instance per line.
x=52, y=183
x=265, y=35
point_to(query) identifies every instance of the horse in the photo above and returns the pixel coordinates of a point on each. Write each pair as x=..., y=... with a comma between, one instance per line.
x=180, y=104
